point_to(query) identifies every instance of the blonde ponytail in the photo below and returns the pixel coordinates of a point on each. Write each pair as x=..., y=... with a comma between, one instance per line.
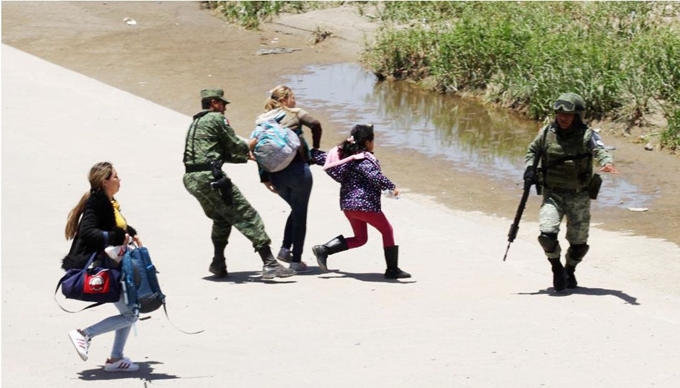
x=98, y=174
x=74, y=217
x=277, y=94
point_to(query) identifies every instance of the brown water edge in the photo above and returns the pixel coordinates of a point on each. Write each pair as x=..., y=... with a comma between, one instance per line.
x=176, y=49
x=452, y=133
x=463, y=190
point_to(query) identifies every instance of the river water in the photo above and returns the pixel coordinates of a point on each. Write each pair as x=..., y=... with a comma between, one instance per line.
x=462, y=133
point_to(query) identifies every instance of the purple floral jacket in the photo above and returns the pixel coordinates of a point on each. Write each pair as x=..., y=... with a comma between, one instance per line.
x=361, y=182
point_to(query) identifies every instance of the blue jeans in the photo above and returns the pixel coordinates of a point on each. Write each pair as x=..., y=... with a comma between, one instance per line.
x=294, y=185
x=120, y=323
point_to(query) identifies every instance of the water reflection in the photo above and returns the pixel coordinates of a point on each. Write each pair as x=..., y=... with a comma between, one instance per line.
x=475, y=138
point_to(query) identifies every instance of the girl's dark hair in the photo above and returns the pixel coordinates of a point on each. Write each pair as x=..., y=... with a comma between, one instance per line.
x=357, y=140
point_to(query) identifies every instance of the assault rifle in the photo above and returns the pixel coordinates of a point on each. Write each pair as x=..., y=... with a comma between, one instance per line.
x=514, y=228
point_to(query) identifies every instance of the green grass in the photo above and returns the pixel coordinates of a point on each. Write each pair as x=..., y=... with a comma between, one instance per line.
x=521, y=55
x=250, y=14
x=617, y=55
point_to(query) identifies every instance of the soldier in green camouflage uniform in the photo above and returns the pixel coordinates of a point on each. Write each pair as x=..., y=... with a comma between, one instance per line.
x=568, y=148
x=210, y=138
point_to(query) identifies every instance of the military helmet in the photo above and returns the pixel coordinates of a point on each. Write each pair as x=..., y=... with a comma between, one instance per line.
x=570, y=103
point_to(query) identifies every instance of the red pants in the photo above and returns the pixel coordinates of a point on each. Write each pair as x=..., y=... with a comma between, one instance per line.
x=359, y=221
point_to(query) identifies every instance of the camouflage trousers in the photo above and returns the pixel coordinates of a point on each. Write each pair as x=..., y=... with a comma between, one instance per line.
x=575, y=207
x=240, y=214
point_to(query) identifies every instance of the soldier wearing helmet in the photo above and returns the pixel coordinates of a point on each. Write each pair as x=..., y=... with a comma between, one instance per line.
x=568, y=148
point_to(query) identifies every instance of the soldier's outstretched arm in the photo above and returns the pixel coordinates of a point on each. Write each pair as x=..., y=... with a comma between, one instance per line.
x=601, y=154
x=234, y=149
x=610, y=168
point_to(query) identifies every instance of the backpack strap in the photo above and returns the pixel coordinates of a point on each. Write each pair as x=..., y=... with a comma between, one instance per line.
x=77, y=311
x=544, y=169
x=165, y=309
x=153, y=281
x=192, y=133
x=275, y=114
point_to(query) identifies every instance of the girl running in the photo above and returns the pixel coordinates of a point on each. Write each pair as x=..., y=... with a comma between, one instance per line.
x=353, y=165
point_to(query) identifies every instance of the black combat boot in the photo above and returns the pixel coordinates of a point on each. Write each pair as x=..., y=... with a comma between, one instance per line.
x=571, y=278
x=392, y=260
x=559, y=276
x=338, y=244
x=272, y=269
x=218, y=267
x=575, y=254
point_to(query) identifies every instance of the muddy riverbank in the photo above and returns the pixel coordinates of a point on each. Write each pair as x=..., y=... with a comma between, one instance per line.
x=175, y=49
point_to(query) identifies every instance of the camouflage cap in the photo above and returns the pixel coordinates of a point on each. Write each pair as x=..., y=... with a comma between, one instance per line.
x=570, y=103
x=214, y=93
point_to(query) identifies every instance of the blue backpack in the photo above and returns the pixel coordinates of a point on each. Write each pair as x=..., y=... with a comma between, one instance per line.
x=141, y=290
x=276, y=145
x=138, y=282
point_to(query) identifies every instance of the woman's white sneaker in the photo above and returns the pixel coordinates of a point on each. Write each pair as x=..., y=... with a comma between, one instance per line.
x=122, y=365
x=80, y=342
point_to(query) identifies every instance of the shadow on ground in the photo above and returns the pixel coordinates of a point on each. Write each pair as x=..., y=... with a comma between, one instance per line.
x=586, y=291
x=256, y=277
x=248, y=277
x=144, y=373
x=365, y=277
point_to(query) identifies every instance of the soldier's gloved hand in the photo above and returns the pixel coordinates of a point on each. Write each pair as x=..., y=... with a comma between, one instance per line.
x=529, y=174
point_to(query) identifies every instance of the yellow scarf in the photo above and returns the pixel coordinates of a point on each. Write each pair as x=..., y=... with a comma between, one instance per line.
x=120, y=221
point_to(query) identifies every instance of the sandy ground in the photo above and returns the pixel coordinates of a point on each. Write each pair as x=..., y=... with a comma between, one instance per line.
x=465, y=319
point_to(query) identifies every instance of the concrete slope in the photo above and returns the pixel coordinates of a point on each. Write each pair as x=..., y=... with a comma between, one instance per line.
x=465, y=319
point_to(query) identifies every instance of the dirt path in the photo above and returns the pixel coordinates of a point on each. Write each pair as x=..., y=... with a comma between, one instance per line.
x=176, y=48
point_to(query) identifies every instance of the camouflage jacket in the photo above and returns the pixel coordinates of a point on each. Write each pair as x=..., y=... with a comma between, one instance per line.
x=210, y=137
x=567, y=157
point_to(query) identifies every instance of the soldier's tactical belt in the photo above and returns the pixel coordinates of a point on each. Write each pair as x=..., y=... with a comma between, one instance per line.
x=561, y=190
x=197, y=168
x=567, y=158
